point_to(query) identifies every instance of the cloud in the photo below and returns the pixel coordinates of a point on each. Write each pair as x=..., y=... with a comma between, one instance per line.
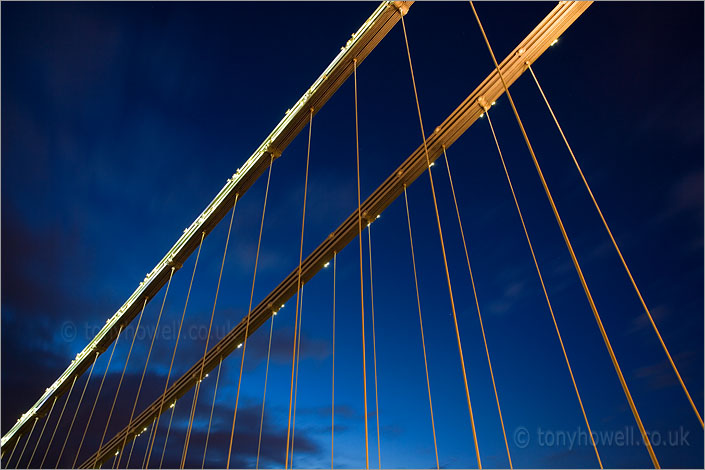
x=282, y=347
x=511, y=294
x=660, y=374
x=245, y=440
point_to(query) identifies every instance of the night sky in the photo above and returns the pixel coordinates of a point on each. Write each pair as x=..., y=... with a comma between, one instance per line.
x=121, y=121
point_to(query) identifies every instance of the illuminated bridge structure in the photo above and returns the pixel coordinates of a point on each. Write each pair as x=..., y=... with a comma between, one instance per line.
x=19, y=442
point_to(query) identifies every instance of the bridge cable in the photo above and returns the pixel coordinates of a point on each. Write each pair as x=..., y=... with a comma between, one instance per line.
x=95, y=402
x=423, y=340
x=249, y=308
x=127, y=465
x=12, y=452
x=132, y=447
x=173, y=355
x=477, y=305
x=26, y=442
x=264, y=394
x=168, y=429
x=146, y=363
x=210, y=420
x=152, y=436
x=622, y=380
x=80, y=400
x=127, y=359
x=619, y=252
x=208, y=336
x=298, y=290
x=362, y=284
x=296, y=382
x=46, y=421
x=445, y=260
x=68, y=397
x=543, y=287
x=374, y=342
x=332, y=401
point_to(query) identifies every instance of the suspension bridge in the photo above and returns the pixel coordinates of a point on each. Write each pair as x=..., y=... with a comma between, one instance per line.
x=29, y=442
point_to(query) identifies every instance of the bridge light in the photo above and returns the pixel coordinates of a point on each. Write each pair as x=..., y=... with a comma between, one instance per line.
x=144, y=430
x=554, y=41
x=117, y=452
x=239, y=345
x=327, y=264
x=378, y=216
x=494, y=103
x=282, y=306
x=206, y=375
x=432, y=163
x=172, y=405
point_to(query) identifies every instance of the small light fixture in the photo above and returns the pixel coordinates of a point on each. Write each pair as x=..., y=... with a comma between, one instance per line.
x=239, y=345
x=327, y=264
x=554, y=42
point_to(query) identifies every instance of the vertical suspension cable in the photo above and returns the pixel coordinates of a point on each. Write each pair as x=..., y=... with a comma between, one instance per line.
x=208, y=336
x=46, y=421
x=26, y=442
x=298, y=289
x=210, y=420
x=619, y=252
x=129, y=457
x=155, y=427
x=362, y=284
x=374, y=342
x=264, y=394
x=477, y=305
x=161, y=461
x=443, y=249
x=127, y=359
x=168, y=428
x=173, y=354
x=622, y=380
x=80, y=400
x=543, y=287
x=68, y=397
x=144, y=371
x=332, y=400
x=12, y=452
x=423, y=340
x=95, y=402
x=132, y=446
x=296, y=382
x=152, y=434
x=249, y=308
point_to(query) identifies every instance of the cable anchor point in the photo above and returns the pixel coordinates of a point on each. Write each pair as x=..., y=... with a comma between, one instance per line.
x=402, y=7
x=483, y=103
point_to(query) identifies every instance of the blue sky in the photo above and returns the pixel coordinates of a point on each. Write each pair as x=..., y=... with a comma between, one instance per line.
x=120, y=121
